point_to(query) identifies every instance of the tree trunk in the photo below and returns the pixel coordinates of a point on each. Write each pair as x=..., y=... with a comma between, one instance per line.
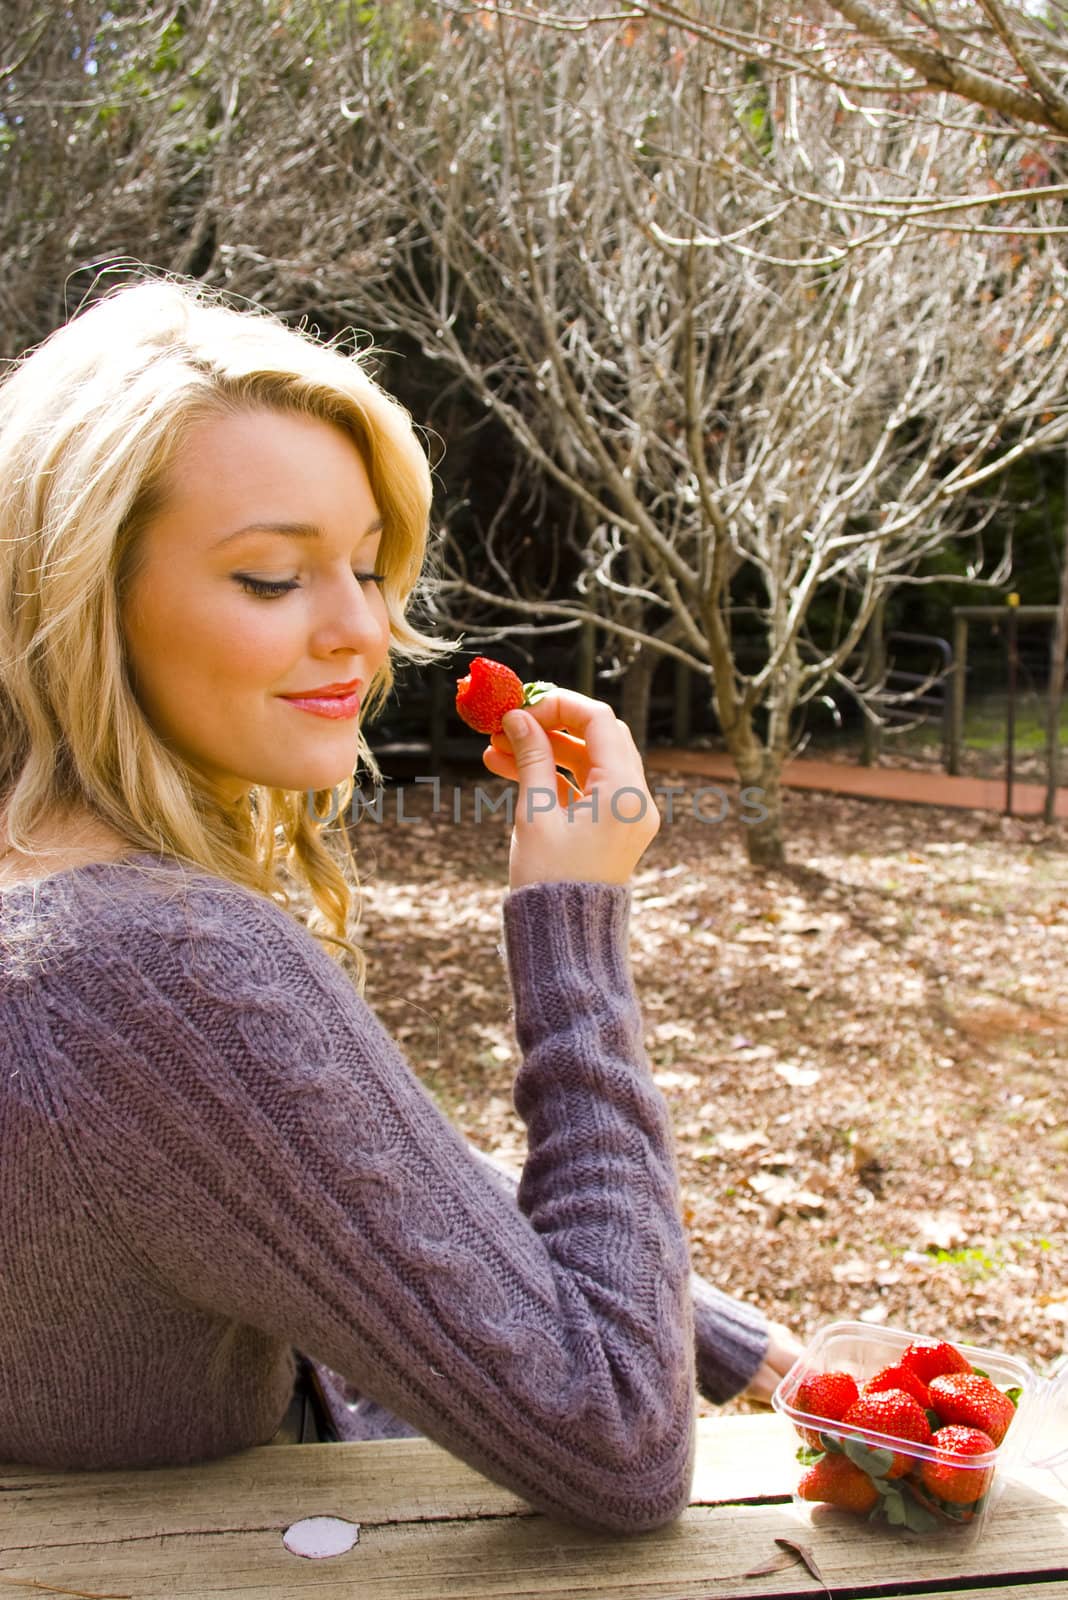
x=637, y=688
x=1058, y=662
x=763, y=837
x=874, y=678
x=760, y=797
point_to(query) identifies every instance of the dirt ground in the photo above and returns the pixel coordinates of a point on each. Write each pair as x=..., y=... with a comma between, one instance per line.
x=866, y=1055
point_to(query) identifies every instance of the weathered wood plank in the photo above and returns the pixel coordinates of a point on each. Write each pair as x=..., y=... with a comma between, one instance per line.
x=704, y=1555
x=739, y=1458
x=434, y=1530
x=399, y=1480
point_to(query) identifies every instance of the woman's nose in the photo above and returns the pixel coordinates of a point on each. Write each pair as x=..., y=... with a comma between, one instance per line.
x=352, y=616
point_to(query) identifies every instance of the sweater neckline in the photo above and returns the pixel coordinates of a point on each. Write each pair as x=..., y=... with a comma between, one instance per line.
x=36, y=884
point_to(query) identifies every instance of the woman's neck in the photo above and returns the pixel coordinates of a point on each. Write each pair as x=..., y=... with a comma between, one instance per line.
x=72, y=838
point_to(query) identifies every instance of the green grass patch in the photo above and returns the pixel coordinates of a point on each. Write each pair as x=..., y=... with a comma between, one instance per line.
x=974, y=1263
x=985, y=723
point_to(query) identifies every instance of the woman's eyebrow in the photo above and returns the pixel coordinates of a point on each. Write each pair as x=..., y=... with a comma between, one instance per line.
x=291, y=530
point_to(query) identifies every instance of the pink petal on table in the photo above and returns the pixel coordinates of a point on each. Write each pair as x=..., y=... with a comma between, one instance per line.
x=316, y=1537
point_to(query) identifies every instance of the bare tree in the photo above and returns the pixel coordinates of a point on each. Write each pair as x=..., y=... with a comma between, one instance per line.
x=196, y=137
x=1007, y=60
x=996, y=71
x=750, y=326
x=611, y=249
x=95, y=155
x=1058, y=668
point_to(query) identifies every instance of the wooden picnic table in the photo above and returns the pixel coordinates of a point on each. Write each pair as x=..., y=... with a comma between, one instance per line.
x=432, y=1529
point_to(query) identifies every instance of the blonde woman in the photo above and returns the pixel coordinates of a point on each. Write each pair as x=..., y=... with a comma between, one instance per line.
x=217, y=1171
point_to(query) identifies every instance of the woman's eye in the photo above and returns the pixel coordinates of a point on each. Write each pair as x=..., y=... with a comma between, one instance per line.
x=266, y=589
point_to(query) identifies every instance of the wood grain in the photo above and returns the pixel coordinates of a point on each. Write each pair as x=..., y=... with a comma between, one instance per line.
x=432, y=1529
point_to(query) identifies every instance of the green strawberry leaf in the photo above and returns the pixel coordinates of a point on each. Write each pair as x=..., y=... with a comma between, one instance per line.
x=1014, y=1393
x=935, y=1420
x=948, y=1510
x=956, y=1513
x=832, y=1444
x=919, y=1520
x=876, y=1463
x=887, y=1486
x=808, y=1456
x=533, y=692
x=893, y=1507
x=980, y=1373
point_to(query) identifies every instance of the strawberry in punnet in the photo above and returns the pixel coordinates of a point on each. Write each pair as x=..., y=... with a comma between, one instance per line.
x=489, y=690
x=973, y=1401
x=837, y=1481
x=893, y=1412
x=947, y=1478
x=898, y=1378
x=827, y=1394
x=929, y=1361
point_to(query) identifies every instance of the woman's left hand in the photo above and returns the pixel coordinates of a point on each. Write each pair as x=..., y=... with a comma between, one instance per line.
x=783, y=1350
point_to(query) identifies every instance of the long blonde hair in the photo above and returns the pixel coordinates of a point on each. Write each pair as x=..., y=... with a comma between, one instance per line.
x=89, y=423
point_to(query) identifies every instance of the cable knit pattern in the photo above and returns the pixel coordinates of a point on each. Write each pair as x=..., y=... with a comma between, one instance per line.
x=731, y=1336
x=212, y=1154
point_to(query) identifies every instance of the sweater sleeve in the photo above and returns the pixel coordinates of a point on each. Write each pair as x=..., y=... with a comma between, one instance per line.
x=270, y=1157
x=731, y=1341
x=730, y=1335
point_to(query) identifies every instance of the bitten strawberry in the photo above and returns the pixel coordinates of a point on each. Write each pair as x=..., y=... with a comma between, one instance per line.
x=960, y=1485
x=489, y=690
x=973, y=1401
x=827, y=1394
x=898, y=1378
x=891, y=1411
x=929, y=1361
x=837, y=1481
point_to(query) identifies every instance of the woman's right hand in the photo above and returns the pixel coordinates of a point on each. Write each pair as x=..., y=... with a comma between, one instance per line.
x=595, y=830
x=783, y=1350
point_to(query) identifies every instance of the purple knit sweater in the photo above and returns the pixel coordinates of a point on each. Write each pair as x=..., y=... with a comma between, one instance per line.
x=212, y=1154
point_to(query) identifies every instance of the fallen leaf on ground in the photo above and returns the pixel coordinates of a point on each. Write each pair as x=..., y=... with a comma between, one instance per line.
x=781, y=1559
x=789, y=1554
x=741, y=1141
x=805, y=1556
x=799, y=1077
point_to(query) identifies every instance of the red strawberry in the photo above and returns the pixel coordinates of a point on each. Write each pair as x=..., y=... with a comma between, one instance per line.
x=489, y=690
x=972, y=1400
x=929, y=1361
x=828, y=1394
x=836, y=1480
x=898, y=1378
x=947, y=1478
x=891, y=1411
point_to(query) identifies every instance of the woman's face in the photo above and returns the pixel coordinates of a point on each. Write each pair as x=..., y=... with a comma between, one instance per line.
x=254, y=603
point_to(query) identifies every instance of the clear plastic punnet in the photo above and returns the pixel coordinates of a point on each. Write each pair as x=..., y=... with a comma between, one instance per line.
x=906, y=1502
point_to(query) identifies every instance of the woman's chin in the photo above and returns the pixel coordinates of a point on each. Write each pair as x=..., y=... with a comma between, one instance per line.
x=318, y=782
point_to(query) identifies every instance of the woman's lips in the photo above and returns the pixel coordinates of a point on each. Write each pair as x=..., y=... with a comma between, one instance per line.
x=335, y=706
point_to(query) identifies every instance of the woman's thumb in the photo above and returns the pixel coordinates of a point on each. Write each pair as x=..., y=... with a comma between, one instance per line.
x=531, y=749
